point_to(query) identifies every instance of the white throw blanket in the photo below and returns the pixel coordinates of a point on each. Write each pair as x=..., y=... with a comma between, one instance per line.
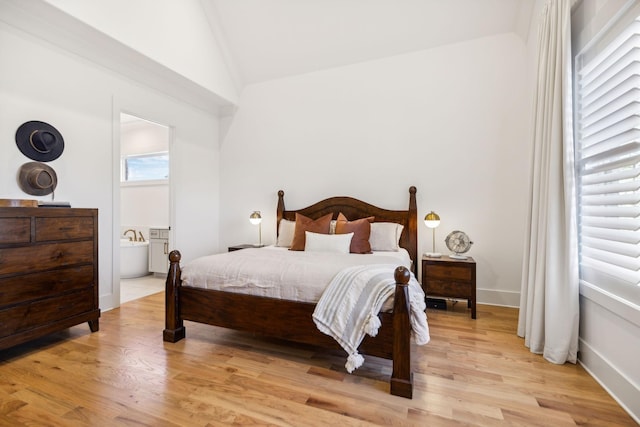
x=349, y=307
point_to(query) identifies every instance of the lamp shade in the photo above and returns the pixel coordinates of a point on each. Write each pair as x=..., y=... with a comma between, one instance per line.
x=255, y=218
x=432, y=220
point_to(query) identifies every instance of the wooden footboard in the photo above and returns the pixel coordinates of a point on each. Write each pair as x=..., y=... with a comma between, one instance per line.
x=288, y=320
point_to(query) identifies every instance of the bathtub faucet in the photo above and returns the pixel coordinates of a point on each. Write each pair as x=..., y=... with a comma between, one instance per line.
x=131, y=239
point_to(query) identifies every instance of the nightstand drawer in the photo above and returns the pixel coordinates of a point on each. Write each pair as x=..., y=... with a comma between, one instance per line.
x=449, y=272
x=450, y=289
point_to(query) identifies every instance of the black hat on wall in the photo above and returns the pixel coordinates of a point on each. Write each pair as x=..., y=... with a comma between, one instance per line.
x=39, y=141
x=37, y=179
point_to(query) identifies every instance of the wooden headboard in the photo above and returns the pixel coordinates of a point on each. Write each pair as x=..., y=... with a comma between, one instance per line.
x=355, y=209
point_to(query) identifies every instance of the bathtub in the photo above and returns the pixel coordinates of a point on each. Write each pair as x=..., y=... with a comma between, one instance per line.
x=134, y=259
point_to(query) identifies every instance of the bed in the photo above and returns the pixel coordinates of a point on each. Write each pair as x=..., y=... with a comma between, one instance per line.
x=292, y=320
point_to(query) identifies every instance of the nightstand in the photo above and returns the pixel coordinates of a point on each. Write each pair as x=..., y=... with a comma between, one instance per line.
x=450, y=278
x=245, y=246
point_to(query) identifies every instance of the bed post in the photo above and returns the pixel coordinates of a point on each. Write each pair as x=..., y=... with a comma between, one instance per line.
x=402, y=376
x=174, y=329
x=280, y=208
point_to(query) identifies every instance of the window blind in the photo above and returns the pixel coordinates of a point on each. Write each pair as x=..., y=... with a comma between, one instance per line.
x=608, y=163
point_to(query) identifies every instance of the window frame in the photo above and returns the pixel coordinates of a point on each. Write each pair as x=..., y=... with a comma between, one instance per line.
x=124, y=168
x=594, y=282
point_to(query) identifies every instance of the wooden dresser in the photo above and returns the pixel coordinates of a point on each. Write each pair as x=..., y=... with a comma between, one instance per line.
x=48, y=271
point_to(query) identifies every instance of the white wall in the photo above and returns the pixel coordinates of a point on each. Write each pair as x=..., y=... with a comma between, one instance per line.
x=451, y=121
x=39, y=81
x=139, y=136
x=144, y=206
x=609, y=326
x=176, y=34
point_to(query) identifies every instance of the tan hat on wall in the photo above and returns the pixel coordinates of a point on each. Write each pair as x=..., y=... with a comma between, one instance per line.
x=37, y=179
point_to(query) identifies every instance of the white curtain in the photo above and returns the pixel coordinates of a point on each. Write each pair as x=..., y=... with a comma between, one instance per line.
x=549, y=299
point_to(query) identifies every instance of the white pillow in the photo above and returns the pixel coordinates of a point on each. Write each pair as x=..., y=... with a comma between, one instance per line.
x=385, y=236
x=285, y=233
x=316, y=242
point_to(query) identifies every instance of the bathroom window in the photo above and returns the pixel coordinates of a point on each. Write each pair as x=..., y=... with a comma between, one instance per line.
x=145, y=167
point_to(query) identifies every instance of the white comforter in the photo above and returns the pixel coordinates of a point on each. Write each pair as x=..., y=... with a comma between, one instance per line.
x=278, y=272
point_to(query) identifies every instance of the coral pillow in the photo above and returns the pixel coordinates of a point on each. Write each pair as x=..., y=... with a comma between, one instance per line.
x=320, y=225
x=361, y=229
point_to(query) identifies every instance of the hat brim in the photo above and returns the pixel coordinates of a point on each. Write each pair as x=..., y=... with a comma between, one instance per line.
x=25, y=185
x=22, y=140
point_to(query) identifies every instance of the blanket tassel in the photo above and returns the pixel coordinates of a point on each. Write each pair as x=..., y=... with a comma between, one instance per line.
x=372, y=325
x=354, y=361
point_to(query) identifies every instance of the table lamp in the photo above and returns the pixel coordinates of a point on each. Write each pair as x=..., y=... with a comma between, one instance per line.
x=432, y=220
x=256, y=218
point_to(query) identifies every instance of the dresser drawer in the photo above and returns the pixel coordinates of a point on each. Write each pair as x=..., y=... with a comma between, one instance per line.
x=23, y=317
x=36, y=258
x=449, y=272
x=29, y=287
x=63, y=228
x=15, y=230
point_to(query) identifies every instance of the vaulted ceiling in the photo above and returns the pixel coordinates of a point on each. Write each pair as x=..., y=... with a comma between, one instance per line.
x=270, y=39
x=255, y=40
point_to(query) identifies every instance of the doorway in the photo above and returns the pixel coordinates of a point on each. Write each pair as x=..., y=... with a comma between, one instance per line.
x=144, y=204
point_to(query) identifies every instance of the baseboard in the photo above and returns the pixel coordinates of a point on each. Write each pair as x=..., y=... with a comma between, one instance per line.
x=496, y=297
x=613, y=381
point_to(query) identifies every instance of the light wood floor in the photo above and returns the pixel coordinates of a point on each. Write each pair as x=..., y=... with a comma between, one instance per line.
x=472, y=373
